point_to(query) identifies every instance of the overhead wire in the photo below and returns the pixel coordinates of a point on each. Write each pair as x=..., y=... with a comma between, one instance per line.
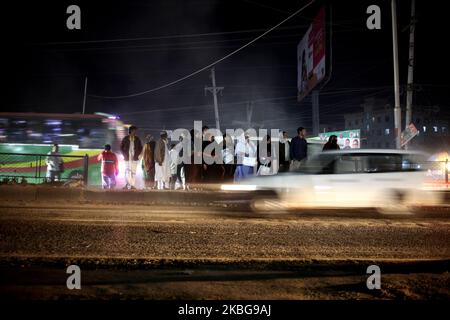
x=209, y=65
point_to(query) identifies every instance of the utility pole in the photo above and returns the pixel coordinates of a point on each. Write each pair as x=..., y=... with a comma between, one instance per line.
x=214, y=90
x=315, y=112
x=84, y=97
x=248, y=123
x=397, y=109
x=410, y=86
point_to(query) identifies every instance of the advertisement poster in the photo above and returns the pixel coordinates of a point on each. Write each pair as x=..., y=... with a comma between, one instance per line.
x=311, y=56
x=349, y=139
x=409, y=133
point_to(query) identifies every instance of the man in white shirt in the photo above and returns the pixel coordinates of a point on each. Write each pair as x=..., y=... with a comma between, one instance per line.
x=54, y=164
x=162, y=162
x=246, y=158
x=131, y=148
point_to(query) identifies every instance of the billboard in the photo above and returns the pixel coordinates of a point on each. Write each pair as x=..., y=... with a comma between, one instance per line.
x=409, y=133
x=311, y=56
x=348, y=139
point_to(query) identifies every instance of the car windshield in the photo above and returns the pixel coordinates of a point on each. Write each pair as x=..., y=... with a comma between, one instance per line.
x=362, y=163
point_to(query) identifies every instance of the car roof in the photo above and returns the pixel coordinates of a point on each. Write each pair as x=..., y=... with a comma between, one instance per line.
x=375, y=151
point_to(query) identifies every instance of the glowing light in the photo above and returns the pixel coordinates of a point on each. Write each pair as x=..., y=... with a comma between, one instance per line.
x=237, y=187
x=53, y=122
x=322, y=187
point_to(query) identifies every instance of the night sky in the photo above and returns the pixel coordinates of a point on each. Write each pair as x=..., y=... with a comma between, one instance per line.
x=125, y=47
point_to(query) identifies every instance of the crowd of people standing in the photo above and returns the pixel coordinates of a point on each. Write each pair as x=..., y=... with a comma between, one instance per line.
x=163, y=169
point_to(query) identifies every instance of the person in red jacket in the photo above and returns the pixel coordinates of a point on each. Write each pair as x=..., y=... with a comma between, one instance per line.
x=110, y=167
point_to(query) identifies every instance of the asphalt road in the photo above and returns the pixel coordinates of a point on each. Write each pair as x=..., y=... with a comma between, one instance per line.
x=128, y=252
x=218, y=234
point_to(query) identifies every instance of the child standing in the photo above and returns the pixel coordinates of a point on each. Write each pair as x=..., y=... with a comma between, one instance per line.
x=110, y=167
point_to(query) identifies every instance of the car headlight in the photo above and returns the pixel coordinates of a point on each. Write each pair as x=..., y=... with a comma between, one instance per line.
x=238, y=187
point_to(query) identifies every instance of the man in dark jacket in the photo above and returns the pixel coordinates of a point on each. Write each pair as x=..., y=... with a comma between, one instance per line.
x=299, y=148
x=131, y=148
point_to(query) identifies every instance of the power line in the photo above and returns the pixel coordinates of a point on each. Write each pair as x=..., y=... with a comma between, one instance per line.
x=208, y=66
x=180, y=46
x=192, y=35
x=208, y=105
x=169, y=46
x=335, y=93
x=177, y=36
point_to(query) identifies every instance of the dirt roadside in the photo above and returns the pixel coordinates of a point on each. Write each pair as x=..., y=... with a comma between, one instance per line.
x=25, y=279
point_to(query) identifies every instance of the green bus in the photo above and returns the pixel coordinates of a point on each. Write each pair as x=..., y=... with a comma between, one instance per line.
x=26, y=139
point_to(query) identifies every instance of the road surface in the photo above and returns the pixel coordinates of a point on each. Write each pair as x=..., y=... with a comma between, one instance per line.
x=211, y=233
x=192, y=250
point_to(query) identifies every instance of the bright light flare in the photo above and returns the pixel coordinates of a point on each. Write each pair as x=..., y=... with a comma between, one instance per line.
x=237, y=187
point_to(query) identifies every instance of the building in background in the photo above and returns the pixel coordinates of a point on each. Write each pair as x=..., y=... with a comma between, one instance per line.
x=376, y=122
x=324, y=127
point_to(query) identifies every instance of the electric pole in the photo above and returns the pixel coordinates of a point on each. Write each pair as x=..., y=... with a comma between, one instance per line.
x=84, y=97
x=214, y=90
x=249, y=123
x=410, y=86
x=397, y=109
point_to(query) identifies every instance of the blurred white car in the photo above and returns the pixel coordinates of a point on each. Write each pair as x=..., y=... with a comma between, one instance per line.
x=390, y=180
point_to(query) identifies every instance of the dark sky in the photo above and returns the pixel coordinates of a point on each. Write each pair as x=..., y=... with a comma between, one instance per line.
x=156, y=42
